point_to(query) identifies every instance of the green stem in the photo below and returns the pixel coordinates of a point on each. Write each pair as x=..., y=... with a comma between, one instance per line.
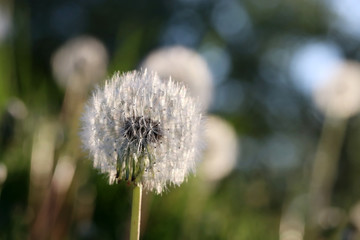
x=136, y=213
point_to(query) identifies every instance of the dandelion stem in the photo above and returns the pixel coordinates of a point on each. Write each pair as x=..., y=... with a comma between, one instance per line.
x=136, y=213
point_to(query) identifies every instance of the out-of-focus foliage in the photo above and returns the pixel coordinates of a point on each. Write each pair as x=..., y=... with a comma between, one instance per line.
x=266, y=57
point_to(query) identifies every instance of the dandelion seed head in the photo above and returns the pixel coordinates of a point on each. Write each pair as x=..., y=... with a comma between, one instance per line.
x=339, y=97
x=140, y=129
x=221, y=150
x=186, y=66
x=79, y=63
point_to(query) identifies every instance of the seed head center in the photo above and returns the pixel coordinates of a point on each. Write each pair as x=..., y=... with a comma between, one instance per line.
x=142, y=130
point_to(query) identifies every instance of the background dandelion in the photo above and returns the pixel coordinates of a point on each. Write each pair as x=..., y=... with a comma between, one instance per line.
x=222, y=149
x=339, y=97
x=80, y=63
x=186, y=66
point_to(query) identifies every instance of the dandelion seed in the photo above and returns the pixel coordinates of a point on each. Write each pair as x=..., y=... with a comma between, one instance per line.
x=133, y=126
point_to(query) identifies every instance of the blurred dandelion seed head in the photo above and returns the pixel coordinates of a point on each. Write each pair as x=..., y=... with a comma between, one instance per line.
x=17, y=109
x=330, y=217
x=5, y=22
x=221, y=150
x=355, y=215
x=140, y=129
x=79, y=63
x=3, y=173
x=339, y=97
x=186, y=66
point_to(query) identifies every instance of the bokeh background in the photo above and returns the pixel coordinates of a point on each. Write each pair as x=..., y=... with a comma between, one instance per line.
x=297, y=165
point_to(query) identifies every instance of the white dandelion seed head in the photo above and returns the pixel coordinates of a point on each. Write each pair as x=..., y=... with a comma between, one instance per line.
x=221, y=150
x=186, y=66
x=339, y=97
x=79, y=63
x=140, y=129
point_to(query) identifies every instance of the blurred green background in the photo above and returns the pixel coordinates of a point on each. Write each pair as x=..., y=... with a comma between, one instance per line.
x=266, y=58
